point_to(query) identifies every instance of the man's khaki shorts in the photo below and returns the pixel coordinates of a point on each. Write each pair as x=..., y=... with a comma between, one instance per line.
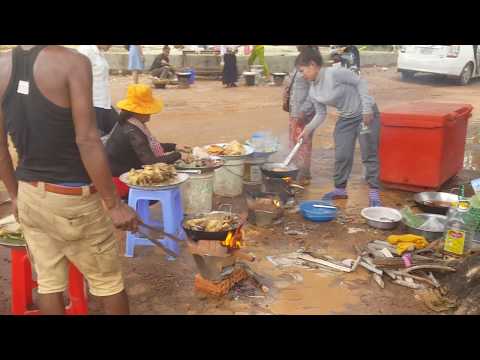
x=62, y=228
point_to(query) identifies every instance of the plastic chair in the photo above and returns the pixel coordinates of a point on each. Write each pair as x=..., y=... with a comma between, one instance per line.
x=172, y=213
x=23, y=285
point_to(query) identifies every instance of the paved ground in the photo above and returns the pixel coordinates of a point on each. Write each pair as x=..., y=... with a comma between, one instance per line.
x=208, y=113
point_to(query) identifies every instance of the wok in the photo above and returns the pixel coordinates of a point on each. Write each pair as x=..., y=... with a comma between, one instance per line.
x=278, y=170
x=435, y=202
x=196, y=235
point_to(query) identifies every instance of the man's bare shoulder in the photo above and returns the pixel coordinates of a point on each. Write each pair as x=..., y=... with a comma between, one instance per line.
x=68, y=54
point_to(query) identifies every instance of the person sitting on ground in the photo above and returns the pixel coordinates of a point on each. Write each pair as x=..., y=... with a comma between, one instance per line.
x=131, y=143
x=161, y=67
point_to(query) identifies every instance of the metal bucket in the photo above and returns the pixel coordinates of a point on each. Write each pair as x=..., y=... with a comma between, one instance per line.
x=228, y=180
x=249, y=79
x=197, y=193
x=253, y=170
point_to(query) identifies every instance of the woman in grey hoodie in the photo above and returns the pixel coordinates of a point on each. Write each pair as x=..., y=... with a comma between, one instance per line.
x=358, y=117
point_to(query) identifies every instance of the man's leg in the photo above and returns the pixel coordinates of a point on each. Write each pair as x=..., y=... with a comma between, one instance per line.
x=51, y=304
x=116, y=304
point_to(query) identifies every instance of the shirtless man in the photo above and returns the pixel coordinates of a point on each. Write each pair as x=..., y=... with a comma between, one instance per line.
x=62, y=191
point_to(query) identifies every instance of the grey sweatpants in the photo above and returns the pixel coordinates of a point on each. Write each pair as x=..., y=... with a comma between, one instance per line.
x=346, y=133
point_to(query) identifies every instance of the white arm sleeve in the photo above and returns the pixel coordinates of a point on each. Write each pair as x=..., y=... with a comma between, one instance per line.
x=319, y=118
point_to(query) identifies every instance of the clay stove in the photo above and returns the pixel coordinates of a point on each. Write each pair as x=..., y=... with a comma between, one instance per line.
x=216, y=262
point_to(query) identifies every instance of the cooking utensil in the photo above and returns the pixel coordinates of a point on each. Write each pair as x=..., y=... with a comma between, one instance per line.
x=429, y=235
x=204, y=235
x=294, y=151
x=382, y=218
x=277, y=170
x=317, y=206
x=435, y=202
x=156, y=242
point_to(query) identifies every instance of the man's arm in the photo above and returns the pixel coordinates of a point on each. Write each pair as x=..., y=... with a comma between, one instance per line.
x=7, y=173
x=90, y=146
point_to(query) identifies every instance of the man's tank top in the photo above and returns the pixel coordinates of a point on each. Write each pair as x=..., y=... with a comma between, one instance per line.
x=43, y=133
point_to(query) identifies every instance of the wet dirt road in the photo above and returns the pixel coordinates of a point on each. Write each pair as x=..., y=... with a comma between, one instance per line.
x=208, y=113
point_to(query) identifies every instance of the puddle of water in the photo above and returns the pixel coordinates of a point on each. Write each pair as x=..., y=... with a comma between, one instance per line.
x=316, y=295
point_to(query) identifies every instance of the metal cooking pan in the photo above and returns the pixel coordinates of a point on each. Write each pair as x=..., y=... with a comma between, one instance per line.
x=278, y=170
x=435, y=202
x=196, y=235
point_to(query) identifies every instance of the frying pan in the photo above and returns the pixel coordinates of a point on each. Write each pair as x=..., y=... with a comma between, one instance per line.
x=196, y=235
x=278, y=170
x=435, y=202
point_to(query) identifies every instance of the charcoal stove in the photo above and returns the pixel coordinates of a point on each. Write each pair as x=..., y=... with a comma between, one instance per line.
x=284, y=187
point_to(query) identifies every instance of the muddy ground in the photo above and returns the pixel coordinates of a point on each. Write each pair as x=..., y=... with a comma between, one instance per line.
x=208, y=113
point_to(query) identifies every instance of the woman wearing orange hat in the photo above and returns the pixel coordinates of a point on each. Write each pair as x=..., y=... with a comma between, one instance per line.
x=131, y=144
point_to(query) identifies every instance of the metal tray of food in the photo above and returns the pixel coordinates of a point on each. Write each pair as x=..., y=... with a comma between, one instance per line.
x=173, y=183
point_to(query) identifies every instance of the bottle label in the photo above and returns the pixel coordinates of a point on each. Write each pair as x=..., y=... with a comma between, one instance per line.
x=455, y=242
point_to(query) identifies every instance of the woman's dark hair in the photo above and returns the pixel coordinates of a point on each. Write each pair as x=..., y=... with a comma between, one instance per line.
x=308, y=55
x=124, y=116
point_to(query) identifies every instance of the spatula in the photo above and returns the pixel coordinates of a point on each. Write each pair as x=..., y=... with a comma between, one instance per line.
x=294, y=151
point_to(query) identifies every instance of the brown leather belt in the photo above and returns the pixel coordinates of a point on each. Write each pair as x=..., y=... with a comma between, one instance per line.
x=63, y=190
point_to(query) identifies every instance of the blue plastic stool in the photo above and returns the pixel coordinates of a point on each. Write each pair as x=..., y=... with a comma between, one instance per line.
x=172, y=212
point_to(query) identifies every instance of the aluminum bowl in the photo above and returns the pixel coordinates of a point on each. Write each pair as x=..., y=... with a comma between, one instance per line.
x=382, y=218
x=429, y=235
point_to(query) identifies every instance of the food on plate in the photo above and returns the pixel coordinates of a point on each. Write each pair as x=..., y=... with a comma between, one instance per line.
x=12, y=233
x=216, y=150
x=231, y=149
x=152, y=175
x=212, y=224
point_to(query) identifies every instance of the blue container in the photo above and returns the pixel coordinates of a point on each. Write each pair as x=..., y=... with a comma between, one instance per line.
x=312, y=213
x=191, y=79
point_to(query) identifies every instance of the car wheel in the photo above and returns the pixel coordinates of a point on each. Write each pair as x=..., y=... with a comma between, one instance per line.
x=466, y=75
x=407, y=75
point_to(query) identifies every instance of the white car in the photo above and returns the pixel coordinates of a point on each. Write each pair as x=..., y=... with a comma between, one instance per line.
x=458, y=61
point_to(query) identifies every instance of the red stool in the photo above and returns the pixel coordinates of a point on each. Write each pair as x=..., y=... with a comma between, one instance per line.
x=23, y=284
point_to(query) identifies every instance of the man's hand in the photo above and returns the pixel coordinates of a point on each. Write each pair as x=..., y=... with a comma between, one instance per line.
x=367, y=119
x=124, y=218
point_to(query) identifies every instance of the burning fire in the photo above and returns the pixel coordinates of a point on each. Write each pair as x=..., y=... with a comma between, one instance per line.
x=233, y=241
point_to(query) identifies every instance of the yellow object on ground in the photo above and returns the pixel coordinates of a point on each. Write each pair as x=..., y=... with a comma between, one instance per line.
x=259, y=51
x=407, y=242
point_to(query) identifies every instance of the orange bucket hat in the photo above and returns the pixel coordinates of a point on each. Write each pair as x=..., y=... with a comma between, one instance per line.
x=140, y=100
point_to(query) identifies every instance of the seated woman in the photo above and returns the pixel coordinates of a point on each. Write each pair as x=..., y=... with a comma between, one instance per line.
x=131, y=144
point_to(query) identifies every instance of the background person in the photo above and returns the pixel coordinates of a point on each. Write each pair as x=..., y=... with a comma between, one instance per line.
x=136, y=61
x=106, y=116
x=348, y=93
x=131, y=143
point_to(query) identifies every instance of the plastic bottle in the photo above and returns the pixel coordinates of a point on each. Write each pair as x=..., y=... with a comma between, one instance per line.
x=458, y=232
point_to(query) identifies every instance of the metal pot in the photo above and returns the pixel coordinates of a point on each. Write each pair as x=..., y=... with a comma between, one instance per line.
x=429, y=235
x=278, y=170
x=382, y=218
x=435, y=202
